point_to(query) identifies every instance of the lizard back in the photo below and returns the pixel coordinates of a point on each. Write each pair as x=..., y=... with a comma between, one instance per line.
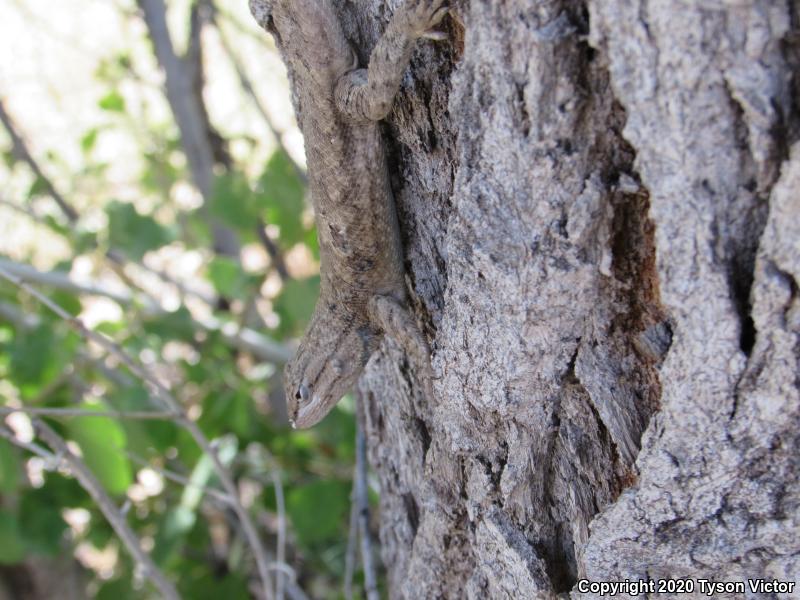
x=355, y=213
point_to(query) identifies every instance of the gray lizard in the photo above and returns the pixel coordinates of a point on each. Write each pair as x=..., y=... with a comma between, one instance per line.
x=362, y=291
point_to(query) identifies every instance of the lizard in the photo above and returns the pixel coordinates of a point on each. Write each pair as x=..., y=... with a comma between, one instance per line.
x=339, y=106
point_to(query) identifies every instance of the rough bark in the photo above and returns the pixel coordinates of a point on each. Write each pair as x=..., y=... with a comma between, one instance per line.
x=599, y=204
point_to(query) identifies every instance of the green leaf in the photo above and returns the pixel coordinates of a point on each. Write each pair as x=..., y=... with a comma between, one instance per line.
x=102, y=441
x=179, y=521
x=172, y=530
x=69, y=302
x=142, y=436
x=113, y=102
x=40, y=521
x=202, y=585
x=67, y=490
x=158, y=174
x=295, y=304
x=281, y=195
x=134, y=233
x=33, y=355
x=231, y=410
x=8, y=158
x=114, y=68
x=337, y=433
x=228, y=277
x=39, y=187
x=177, y=325
x=84, y=241
x=232, y=202
x=12, y=548
x=9, y=468
x=311, y=240
x=55, y=224
x=318, y=510
x=117, y=589
x=89, y=140
x=39, y=355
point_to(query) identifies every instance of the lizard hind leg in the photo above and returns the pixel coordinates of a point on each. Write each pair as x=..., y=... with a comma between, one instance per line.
x=397, y=322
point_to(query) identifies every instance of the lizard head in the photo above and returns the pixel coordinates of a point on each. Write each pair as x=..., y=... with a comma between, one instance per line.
x=326, y=366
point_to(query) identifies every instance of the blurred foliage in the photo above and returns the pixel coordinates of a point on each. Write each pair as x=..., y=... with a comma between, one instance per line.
x=233, y=396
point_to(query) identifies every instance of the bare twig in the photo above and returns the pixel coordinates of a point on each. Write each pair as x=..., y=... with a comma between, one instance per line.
x=270, y=246
x=295, y=592
x=112, y=514
x=241, y=338
x=86, y=333
x=362, y=501
x=272, y=249
x=171, y=404
x=62, y=281
x=352, y=548
x=22, y=152
x=181, y=479
x=23, y=210
x=248, y=87
x=178, y=83
x=281, y=506
x=116, y=257
x=188, y=116
x=12, y=314
x=251, y=341
x=31, y=447
x=141, y=415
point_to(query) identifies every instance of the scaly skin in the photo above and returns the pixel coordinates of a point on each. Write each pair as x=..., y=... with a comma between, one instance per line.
x=362, y=293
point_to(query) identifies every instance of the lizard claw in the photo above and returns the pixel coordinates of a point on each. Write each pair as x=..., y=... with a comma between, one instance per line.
x=423, y=15
x=435, y=35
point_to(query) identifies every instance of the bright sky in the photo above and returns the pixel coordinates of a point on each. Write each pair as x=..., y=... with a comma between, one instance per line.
x=48, y=83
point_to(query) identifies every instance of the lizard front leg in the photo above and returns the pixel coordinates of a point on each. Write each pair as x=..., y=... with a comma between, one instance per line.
x=367, y=94
x=396, y=321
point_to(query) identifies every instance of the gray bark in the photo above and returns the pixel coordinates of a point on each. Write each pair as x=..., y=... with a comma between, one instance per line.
x=599, y=204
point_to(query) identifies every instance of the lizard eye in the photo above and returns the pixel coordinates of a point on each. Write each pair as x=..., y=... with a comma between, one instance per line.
x=302, y=393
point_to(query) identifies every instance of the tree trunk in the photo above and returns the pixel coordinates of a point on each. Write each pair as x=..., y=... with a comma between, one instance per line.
x=600, y=209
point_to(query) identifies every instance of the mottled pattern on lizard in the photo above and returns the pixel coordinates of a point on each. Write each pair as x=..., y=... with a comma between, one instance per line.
x=338, y=105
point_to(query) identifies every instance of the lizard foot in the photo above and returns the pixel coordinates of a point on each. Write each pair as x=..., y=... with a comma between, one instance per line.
x=423, y=15
x=397, y=322
x=435, y=34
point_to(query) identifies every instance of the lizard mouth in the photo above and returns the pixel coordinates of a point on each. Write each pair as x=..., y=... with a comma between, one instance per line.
x=310, y=414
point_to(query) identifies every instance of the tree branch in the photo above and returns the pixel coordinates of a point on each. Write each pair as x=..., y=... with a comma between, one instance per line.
x=185, y=481
x=79, y=412
x=272, y=249
x=171, y=404
x=281, y=507
x=362, y=501
x=22, y=152
x=188, y=116
x=242, y=338
x=31, y=447
x=62, y=281
x=352, y=547
x=103, y=501
x=248, y=87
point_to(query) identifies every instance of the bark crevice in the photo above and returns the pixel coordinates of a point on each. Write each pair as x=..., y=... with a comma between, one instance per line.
x=585, y=235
